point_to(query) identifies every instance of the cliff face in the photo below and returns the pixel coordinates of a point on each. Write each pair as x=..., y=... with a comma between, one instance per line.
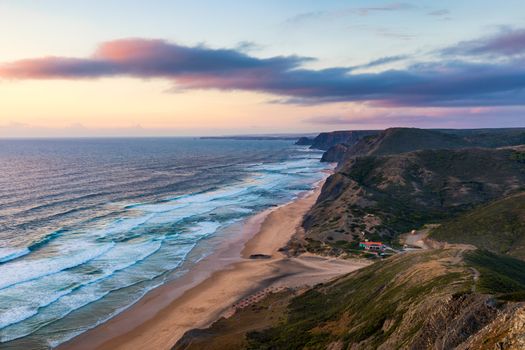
x=506, y=332
x=325, y=140
x=304, y=141
x=378, y=197
x=335, y=153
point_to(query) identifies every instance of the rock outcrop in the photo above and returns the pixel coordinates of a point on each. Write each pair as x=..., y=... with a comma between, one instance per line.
x=335, y=153
x=304, y=141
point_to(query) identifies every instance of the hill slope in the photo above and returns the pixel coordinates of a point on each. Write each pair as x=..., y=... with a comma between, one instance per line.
x=490, y=137
x=419, y=300
x=382, y=196
x=498, y=226
x=401, y=140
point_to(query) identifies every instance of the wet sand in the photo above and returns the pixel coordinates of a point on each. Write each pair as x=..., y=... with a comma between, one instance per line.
x=210, y=289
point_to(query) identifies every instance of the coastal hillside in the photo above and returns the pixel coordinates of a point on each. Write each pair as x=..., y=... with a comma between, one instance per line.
x=379, y=197
x=499, y=137
x=400, y=140
x=498, y=227
x=325, y=140
x=434, y=299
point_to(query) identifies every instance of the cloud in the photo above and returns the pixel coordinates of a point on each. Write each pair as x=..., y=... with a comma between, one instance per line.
x=396, y=6
x=508, y=42
x=376, y=119
x=307, y=16
x=447, y=83
x=382, y=31
x=439, y=13
x=247, y=46
x=456, y=118
x=352, y=11
x=148, y=58
x=381, y=61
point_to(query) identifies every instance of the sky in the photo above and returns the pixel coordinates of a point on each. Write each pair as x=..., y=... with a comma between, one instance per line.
x=180, y=68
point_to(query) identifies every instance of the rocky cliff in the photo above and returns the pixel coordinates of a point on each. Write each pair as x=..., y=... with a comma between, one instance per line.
x=325, y=140
x=335, y=153
x=304, y=141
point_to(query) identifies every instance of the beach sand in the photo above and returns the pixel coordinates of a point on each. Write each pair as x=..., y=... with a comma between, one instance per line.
x=210, y=289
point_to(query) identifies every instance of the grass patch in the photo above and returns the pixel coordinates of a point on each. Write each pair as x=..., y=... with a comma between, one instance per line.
x=500, y=275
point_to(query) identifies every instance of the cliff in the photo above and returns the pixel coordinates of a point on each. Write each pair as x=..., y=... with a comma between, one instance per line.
x=335, y=153
x=325, y=140
x=304, y=141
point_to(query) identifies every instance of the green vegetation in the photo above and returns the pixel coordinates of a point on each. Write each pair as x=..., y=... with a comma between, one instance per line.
x=519, y=156
x=368, y=305
x=499, y=275
x=229, y=333
x=384, y=196
x=498, y=227
x=401, y=140
x=418, y=300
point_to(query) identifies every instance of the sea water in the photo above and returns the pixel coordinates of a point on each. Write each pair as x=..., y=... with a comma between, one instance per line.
x=88, y=226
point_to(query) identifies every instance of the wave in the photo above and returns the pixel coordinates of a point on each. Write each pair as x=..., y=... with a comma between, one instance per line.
x=82, y=297
x=23, y=271
x=8, y=254
x=110, y=263
x=12, y=317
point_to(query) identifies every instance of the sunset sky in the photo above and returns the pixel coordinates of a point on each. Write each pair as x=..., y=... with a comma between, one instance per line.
x=161, y=68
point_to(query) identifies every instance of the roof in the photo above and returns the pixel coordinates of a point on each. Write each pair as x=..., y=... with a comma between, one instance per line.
x=371, y=243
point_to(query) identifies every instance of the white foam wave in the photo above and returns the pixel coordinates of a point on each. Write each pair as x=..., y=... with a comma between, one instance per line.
x=7, y=254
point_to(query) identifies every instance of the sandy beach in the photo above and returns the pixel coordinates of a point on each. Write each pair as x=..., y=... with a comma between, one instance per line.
x=210, y=289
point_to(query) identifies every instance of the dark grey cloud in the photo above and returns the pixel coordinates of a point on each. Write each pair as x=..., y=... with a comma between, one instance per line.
x=447, y=83
x=148, y=58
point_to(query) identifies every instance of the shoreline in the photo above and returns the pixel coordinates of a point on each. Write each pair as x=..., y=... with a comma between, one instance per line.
x=208, y=291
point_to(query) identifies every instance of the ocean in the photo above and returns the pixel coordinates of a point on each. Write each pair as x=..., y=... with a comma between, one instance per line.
x=88, y=226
